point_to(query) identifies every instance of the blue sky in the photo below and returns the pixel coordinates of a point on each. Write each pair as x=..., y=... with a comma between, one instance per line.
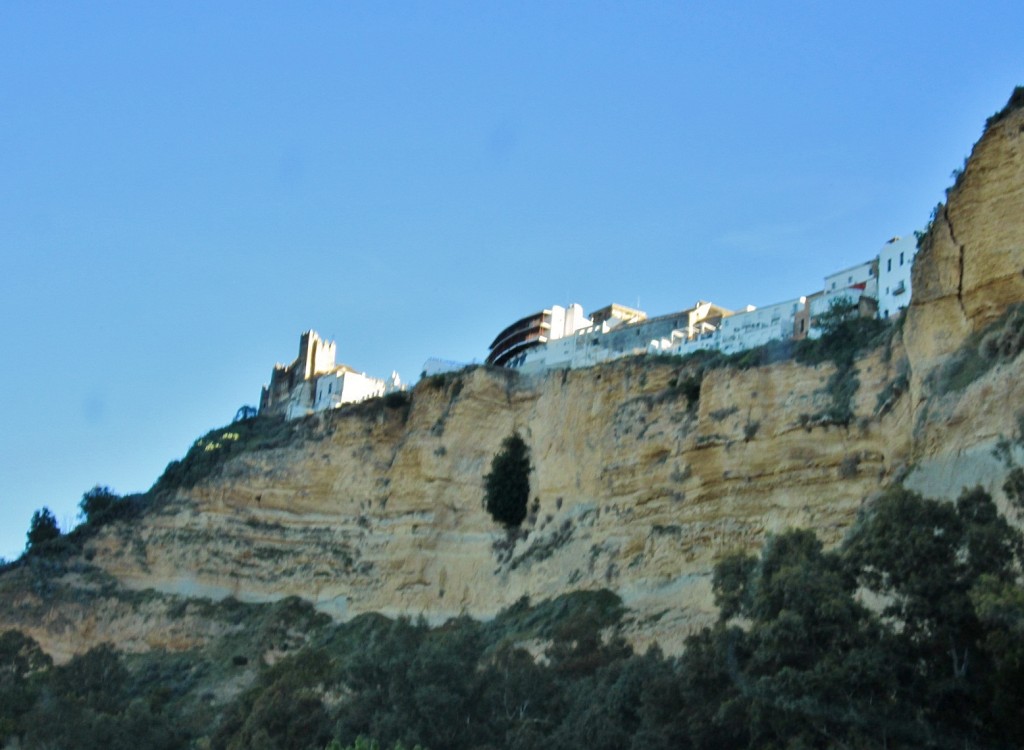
x=184, y=188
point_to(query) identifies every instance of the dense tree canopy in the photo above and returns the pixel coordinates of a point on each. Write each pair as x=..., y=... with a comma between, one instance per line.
x=507, y=485
x=937, y=665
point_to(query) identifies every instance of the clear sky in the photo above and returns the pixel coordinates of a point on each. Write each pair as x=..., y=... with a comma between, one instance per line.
x=185, y=187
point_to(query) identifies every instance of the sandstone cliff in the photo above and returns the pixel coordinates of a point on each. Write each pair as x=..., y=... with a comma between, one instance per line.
x=635, y=488
x=968, y=273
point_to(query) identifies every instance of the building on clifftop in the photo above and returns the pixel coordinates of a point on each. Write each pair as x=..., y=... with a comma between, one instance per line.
x=539, y=328
x=314, y=382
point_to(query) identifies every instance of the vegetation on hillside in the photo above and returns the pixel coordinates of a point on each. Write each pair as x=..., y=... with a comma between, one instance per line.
x=909, y=634
x=215, y=447
x=98, y=507
x=1000, y=341
x=1015, y=102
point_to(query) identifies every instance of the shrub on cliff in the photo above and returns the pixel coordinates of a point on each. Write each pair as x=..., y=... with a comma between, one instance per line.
x=42, y=528
x=97, y=505
x=209, y=452
x=507, y=486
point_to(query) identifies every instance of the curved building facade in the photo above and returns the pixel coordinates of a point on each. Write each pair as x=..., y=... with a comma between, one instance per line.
x=533, y=330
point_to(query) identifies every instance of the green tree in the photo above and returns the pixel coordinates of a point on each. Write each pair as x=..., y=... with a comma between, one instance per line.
x=1014, y=487
x=245, y=412
x=507, y=486
x=840, y=310
x=362, y=743
x=947, y=575
x=1000, y=608
x=42, y=528
x=21, y=660
x=91, y=703
x=809, y=671
x=283, y=709
x=97, y=503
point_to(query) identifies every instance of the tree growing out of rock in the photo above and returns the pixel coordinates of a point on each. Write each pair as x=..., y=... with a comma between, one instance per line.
x=507, y=485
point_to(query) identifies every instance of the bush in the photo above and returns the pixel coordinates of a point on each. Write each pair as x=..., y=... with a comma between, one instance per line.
x=397, y=399
x=507, y=486
x=844, y=335
x=42, y=528
x=1001, y=341
x=20, y=659
x=97, y=504
x=690, y=388
x=212, y=450
x=1014, y=487
x=245, y=412
x=1016, y=102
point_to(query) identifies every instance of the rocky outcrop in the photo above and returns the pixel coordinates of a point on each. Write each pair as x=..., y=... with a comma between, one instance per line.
x=970, y=266
x=968, y=273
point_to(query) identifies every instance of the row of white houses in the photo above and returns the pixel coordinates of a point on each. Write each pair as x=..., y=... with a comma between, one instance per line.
x=565, y=338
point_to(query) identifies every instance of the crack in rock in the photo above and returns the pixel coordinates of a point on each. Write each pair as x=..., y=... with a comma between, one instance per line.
x=960, y=275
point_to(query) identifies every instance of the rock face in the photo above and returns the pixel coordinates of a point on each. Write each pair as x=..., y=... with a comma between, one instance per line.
x=633, y=488
x=968, y=272
x=970, y=266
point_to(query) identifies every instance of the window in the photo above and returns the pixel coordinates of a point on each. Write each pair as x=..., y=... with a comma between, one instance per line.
x=888, y=265
x=901, y=259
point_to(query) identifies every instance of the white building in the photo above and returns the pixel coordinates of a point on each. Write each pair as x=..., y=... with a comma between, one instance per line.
x=511, y=345
x=619, y=331
x=314, y=382
x=679, y=345
x=862, y=277
x=756, y=326
x=561, y=352
x=848, y=285
x=894, y=263
x=559, y=338
x=345, y=386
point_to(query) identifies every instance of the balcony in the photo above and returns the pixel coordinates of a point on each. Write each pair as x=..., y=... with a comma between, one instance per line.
x=534, y=322
x=512, y=347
